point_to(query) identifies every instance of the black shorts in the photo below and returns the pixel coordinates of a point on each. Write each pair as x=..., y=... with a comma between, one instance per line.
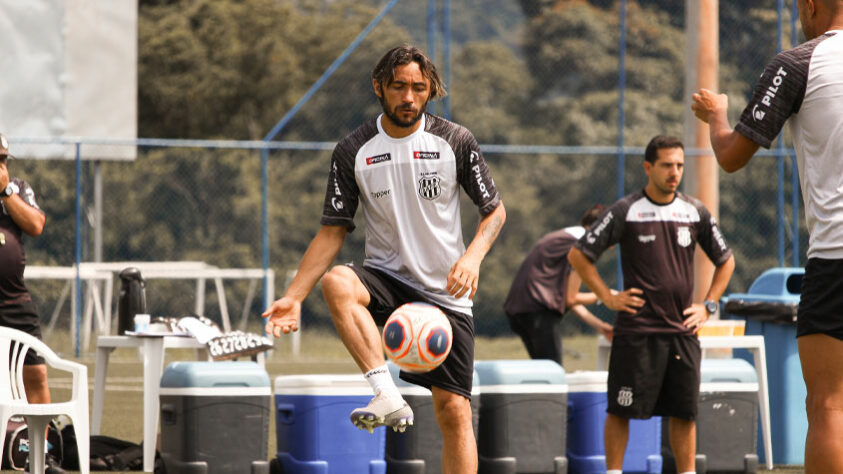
x=655, y=374
x=541, y=332
x=821, y=304
x=456, y=373
x=23, y=317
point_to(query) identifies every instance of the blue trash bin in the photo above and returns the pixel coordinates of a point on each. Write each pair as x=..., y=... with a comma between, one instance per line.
x=769, y=308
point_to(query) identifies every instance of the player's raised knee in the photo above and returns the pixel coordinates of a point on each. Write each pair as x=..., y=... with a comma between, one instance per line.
x=338, y=283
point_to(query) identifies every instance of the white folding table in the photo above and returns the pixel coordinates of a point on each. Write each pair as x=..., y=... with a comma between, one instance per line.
x=755, y=345
x=152, y=350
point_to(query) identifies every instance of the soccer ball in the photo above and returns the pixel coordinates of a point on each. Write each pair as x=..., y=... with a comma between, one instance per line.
x=417, y=337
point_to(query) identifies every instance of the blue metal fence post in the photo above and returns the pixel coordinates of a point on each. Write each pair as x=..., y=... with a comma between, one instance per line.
x=794, y=168
x=446, y=53
x=621, y=118
x=78, y=245
x=431, y=39
x=265, y=225
x=780, y=155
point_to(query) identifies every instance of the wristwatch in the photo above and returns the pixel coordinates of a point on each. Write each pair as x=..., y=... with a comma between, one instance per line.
x=710, y=306
x=8, y=191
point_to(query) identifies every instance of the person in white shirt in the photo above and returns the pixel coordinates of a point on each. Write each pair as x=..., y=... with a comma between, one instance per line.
x=803, y=86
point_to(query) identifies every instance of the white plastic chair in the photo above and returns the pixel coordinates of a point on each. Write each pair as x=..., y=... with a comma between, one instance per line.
x=13, y=347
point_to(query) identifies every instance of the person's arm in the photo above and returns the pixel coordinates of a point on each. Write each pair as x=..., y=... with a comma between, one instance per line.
x=283, y=315
x=30, y=219
x=589, y=318
x=696, y=315
x=465, y=273
x=732, y=149
x=573, y=295
x=626, y=300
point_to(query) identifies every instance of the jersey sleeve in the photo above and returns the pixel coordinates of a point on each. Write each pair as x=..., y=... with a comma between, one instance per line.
x=473, y=173
x=710, y=239
x=26, y=193
x=342, y=195
x=605, y=232
x=777, y=95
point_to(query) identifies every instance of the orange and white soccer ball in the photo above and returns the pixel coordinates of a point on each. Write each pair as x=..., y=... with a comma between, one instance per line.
x=417, y=337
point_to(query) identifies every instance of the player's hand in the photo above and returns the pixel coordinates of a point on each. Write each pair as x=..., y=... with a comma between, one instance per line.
x=706, y=104
x=626, y=300
x=282, y=316
x=606, y=331
x=696, y=317
x=463, y=277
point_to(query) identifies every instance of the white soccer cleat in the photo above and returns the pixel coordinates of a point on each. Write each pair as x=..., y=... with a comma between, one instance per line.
x=383, y=410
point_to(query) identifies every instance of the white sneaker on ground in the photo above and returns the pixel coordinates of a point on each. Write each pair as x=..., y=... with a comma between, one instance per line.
x=383, y=410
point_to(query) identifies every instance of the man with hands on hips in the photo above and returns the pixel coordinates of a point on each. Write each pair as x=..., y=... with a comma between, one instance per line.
x=654, y=367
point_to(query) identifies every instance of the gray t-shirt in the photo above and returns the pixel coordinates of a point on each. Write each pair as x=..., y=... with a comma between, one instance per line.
x=804, y=86
x=409, y=192
x=541, y=283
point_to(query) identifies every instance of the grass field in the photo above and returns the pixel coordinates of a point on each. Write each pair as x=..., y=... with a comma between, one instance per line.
x=321, y=353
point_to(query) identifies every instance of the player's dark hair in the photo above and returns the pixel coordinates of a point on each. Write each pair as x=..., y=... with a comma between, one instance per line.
x=384, y=72
x=590, y=216
x=660, y=142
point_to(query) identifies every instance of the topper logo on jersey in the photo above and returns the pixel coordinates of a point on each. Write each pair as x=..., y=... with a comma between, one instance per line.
x=683, y=236
x=373, y=160
x=425, y=155
x=769, y=94
x=429, y=187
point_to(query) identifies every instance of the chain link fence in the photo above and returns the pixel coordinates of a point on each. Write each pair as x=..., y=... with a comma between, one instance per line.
x=537, y=82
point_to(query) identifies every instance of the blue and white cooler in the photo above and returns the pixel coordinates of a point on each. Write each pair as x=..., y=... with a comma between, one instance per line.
x=587, y=403
x=314, y=434
x=215, y=417
x=522, y=416
x=418, y=450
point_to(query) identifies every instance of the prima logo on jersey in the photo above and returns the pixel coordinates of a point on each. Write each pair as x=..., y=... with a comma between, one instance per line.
x=683, y=236
x=429, y=187
x=425, y=155
x=625, y=396
x=373, y=160
x=474, y=157
x=647, y=238
x=337, y=204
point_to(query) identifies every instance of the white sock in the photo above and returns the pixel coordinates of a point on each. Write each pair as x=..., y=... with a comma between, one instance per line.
x=380, y=380
x=614, y=471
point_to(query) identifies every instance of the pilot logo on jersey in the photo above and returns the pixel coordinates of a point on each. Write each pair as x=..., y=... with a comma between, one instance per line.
x=429, y=187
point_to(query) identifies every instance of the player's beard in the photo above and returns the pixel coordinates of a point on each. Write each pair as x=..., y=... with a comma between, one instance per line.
x=393, y=114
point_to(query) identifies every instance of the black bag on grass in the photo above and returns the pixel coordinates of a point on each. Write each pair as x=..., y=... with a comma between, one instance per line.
x=107, y=454
x=16, y=447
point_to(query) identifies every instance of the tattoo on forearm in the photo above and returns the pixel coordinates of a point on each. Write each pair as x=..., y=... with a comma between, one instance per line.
x=492, y=229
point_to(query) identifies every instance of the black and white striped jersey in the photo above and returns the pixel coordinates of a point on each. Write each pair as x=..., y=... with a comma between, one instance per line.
x=804, y=86
x=408, y=189
x=657, y=243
